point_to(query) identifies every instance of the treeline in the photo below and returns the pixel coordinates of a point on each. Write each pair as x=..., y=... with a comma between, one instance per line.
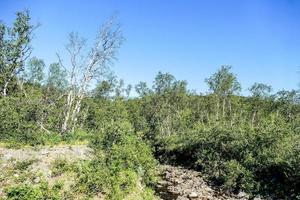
x=241, y=143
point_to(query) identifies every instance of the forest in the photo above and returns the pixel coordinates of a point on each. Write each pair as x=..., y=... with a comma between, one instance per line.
x=240, y=143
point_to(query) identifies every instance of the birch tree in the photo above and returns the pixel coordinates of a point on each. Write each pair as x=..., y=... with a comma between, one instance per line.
x=223, y=85
x=259, y=92
x=87, y=67
x=14, y=49
x=34, y=72
x=56, y=78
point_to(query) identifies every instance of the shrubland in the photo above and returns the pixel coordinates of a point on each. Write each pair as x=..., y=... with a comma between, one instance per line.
x=239, y=143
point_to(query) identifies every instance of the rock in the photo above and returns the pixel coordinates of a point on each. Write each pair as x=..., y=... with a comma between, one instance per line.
x=162, y=182
x=37, y=180
x=187, y=191
x=193, y=195
x=178, y=183
x=49, y=174
x=182, y=198
x=242, y=195
x=16, y=175
x=174, y=190
x=208, y=189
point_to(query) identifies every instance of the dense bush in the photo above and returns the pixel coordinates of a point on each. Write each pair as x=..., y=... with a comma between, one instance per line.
x=18, y=121
x=123, y=162
x=261, y=160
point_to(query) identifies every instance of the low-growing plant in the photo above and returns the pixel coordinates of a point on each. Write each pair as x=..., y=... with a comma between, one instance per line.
x=24, y=192
x=24, y=165
x=37, y=192
x=60, y=166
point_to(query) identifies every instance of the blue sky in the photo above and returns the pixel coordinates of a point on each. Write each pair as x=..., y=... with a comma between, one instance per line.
x=189, y=39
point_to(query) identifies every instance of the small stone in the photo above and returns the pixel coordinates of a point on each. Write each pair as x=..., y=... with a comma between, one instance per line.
x=178, y=181
x=173, y=190
x=193, y=195
x=162, y=183
x=208, y=189
x=16, y=175
x=187, y=191
x=257, y=198
x=49, y=173
x=36, y=180
x=182, y=198
x=242, y=195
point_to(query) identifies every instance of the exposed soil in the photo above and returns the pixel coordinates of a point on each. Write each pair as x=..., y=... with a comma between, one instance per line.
x=31, y=165
x=43, y=156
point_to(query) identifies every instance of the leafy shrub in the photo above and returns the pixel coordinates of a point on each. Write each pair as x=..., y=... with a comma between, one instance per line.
x=122, y=161
x=19, y=122
x=123, y=149
x=15, y=123
x=93, y=178
x=236, y=177
x=24, y=165
x=256, y=160
x=24, y=192
x=78, y=136
x=38, y=192
x=60, y=166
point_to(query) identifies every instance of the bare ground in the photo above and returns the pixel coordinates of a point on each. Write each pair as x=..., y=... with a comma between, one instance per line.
x=31, y=165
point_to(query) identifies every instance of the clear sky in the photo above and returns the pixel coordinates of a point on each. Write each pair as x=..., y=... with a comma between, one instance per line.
x=189, y=39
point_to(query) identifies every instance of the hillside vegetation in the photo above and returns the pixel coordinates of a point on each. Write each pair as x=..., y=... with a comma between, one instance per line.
x=241, y=143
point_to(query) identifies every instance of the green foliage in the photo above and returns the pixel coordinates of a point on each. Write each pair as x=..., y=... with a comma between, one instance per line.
x=78, y=136
x=34, y=74
x=236, y=177
x=104, y=89
x=122, y=162
x=23, y=165
x=17, y=121
x=56, y=77
x=260, y=90
x=14, y=49
x=242, y=158
x=25, y=192
x=60, y=166
x=93, y=178
x=223, y=82
x=102, y=112
x=142, y=89
x=41, y=191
